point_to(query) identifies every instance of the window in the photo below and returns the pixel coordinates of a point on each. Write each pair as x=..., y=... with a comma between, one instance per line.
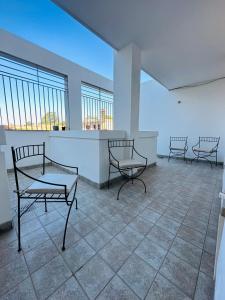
x=31, y=98
x=97, y=108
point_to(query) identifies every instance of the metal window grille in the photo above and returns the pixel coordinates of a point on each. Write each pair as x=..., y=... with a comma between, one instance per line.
x=31, y=97
x=97, y=108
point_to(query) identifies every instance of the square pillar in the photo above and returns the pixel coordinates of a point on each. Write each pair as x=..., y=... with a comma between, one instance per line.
x=73, y=107
x=127, y=68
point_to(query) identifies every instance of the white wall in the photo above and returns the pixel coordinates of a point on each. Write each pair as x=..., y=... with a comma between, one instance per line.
x=88, y=150
x=30, y=52
x=146, y=145
x=200, y=113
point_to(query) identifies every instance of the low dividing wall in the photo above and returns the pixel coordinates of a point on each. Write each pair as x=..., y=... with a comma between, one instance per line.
x=89, y=150
x=86, y=149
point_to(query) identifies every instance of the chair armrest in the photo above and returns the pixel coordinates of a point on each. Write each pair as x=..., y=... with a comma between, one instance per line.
x=146, y=160
x=57, y=163
x=215, y=148
x=39, y=180
x=195, y=145
x=21, y=192
x=114, y=159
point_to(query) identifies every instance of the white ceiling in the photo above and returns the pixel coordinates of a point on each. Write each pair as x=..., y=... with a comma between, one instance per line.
x=182, y=41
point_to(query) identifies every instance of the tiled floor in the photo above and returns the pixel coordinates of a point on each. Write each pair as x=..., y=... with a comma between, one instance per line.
x=158, y=245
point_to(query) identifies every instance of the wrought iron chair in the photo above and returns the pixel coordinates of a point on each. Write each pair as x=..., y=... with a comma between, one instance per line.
x=130, y=168
x=178, y=147
x=48, y=188
x=206, y=148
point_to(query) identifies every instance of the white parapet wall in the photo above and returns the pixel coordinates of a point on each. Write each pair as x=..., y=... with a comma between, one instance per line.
x=88, y=150
x=85, y=149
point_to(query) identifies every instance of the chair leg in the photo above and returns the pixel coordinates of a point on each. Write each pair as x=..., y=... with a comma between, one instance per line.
x=46, y=210
x=122, y=185
x=198, y=158
x=19, y=228
x=169, y=156
x=67, y=218
x=142, y=182
x=216, y=158
x=210, y=163
x=76, y=203
x=195, y=158
x=74, y=195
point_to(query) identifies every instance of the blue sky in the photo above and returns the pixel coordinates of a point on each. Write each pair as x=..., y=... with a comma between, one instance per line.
x=45, y=24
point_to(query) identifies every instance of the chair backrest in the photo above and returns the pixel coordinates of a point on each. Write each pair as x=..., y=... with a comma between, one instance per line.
x=178, y=141
x=121, y=144
x=23, y=152
x=212, y=142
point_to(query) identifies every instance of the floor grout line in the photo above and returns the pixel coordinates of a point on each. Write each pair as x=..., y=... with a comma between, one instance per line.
x=125, y=206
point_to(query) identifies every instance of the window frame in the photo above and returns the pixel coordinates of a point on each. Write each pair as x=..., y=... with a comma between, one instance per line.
x=36, y=78
x=96, y=107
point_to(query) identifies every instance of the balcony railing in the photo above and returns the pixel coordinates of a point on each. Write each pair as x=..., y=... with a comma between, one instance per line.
x=30, y=97
x=97, y=108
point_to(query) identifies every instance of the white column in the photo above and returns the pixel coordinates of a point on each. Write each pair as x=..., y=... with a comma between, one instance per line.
x=73, y=108
x=127, y=67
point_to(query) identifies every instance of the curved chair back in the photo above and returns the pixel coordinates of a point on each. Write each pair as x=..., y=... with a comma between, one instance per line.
x=120, y=143
x=178, y=141
x=24, y=152
x=211, y=142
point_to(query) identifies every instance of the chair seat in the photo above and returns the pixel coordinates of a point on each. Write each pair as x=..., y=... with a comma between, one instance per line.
x=206, y=150
x=129, y=163
x=175, y=148
x=42, y=188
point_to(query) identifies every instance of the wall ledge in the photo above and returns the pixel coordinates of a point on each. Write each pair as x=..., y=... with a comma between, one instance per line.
x=100, y=134
x=88, y=134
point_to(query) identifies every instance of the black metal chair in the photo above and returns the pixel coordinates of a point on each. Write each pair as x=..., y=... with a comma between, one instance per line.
x=206, y=148
x=178, y=147
x=130, y=168
x=48, y=188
